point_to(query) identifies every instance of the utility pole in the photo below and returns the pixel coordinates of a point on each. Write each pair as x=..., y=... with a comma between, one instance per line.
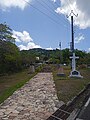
x=60, y=52
x=74, y=72
x=60, y=70
x=72, y=31
x=60, y=45
x=72, y=34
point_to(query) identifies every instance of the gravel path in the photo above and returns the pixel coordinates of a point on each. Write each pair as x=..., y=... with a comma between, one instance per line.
x=36, y=100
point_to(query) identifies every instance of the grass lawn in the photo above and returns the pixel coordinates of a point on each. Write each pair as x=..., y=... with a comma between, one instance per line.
x=67, y=87
x=10, y=83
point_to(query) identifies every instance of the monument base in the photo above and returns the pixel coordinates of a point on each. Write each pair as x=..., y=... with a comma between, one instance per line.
x=60, y=72
x=76, y=74
x=31, y=69
x=61, y=75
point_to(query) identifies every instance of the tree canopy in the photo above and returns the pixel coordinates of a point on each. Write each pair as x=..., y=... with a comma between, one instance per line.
x=9, y=52
x=6, y=33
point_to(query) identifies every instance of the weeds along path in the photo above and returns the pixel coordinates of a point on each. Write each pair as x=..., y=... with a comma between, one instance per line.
x=36, y=100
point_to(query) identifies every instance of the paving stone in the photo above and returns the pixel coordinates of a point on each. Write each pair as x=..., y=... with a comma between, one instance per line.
x=1, y=113
x=36, y=100
x=7, y=112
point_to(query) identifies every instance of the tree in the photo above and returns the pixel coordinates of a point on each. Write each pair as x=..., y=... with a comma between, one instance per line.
x=66, y=55
x=6, y=33
x=27, y=58
x=10, y=60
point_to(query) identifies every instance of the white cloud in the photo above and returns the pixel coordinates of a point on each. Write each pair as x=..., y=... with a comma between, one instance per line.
x=49, y=48
x=53, y=0
x=30, y=45
x=16, y=38
x=4, y=4
x=89, y=49
x=22, y=36
x=82, y=7
x=25, y=40
x=79, y=38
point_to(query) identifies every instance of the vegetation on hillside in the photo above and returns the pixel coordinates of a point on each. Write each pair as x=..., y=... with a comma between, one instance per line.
x=13, y=60
x=9, y=57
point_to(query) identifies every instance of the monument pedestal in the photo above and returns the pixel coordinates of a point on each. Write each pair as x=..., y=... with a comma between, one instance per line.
x=60, y=72
x=31, y=69
x=76, y=74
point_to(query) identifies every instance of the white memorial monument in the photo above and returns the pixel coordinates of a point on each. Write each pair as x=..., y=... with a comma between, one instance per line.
x=74, y=72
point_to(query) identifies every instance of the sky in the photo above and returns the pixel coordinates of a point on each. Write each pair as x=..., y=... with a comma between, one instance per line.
x=46, y=23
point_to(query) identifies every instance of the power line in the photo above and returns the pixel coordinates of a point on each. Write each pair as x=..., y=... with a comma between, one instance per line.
x=49, y=8
x=56, y=3
x=72, y=6
x=41, y=12
x=53, y=5
x=56, y=14
x=64, y=20
x=69, y=5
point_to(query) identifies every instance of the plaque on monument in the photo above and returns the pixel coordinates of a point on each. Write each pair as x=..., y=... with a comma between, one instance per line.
x=75, y=73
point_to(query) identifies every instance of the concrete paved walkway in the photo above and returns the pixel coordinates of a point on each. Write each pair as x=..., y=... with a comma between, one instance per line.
x=36, y=100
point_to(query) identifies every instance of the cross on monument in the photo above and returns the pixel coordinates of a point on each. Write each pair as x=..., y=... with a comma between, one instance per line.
x=74, y=61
